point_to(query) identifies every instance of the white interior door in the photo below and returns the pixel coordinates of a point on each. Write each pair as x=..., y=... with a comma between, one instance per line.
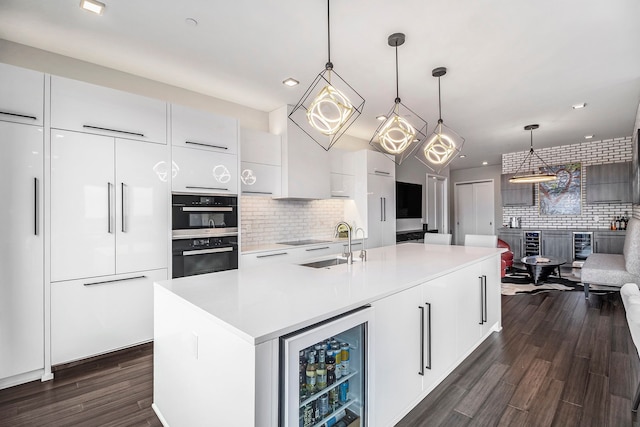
x=437, y=202
x=473, y=209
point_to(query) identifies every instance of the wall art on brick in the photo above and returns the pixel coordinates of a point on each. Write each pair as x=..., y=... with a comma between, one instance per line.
x=562, y=196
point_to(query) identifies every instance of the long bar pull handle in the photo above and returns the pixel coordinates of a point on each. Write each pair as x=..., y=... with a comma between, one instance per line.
x=421, y=371
x=381, y=172
x=109, y=207
x=262, y=192
x=484, y=282
x=481, y=301
x=24, y=116
x=381, y=210
x=270, y=255
x=125, y=132
x=384, y=208
x=206, y=188
x=35, y=206
x=222, y=147
x=113, y=281
x=123, y=228
x=317, y=249
x=428, y=365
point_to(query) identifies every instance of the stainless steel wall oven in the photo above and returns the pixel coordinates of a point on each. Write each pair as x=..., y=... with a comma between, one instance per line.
x=204, y=233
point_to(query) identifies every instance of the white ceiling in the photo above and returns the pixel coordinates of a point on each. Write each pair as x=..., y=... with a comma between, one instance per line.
x=510, y=62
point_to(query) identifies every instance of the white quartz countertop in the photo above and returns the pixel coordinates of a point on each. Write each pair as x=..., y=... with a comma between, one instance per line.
x=262, y=303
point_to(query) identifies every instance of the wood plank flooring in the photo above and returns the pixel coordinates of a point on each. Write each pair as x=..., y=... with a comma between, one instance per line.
x=559, y=361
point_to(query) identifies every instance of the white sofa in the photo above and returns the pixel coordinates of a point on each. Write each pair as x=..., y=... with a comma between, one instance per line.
x=631, y=300
x=615, y=269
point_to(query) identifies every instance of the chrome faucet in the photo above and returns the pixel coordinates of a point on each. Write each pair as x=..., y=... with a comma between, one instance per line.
x=363, y=251
x=347, y=254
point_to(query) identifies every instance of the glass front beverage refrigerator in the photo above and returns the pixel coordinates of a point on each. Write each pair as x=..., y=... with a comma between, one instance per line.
x=324, y=381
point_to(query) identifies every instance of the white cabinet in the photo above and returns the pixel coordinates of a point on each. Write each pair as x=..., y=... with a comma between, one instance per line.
x=21, y=250
x=21, y=95
x=91, y=317
x=342, y=174
x=201, y=171
x=203, y=130
x=305, y=164
x=109, y=210
x=374, y=203
x=261, y=165
x=95, y=109
x=427, y=330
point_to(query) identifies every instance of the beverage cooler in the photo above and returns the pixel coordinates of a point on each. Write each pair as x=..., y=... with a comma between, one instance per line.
x=323, y=368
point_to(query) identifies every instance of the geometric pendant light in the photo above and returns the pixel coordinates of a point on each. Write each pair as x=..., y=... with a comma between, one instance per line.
x=403, y=130
x=443, y=145
x=329, y=106
x=529, y=175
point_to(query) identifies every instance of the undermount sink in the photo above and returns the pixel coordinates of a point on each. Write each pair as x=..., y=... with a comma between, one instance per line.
x=325, y=263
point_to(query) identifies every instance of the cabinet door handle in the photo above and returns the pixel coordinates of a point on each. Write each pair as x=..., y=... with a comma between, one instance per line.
x=109, y=207
x=35, y=206
x=484, y=282
x=481, y=301
x=256, y=192
x=336, y=195
x=24, y=116
x=125, y=132
x=270, y=255
x=384, y=209
x=317, y=249
x=113, y=281
x=381, y=210
x=421, y=371
x=596, y=246
x=206, y=188
x=381, y=172
x=122, y=209
x=222, y=147
x=428, y=365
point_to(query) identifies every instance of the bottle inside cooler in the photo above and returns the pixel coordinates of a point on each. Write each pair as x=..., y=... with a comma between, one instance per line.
x=331, y=381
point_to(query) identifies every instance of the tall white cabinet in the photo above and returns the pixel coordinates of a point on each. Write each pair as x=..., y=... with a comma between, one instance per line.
x=374, y=202
x=21, y=250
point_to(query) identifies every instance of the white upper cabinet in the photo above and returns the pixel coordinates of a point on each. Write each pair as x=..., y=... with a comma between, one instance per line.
x=109, y=206
x=342, y=174
x=94, y=109
x=305, y=164
x=21, y=250
x=201, y=171
x=260, y=169
x=203, y=130
x=21, y=95
x=379, y=164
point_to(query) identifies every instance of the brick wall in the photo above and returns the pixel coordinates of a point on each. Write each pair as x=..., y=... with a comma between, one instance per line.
x=265, y=220
x=587, y=153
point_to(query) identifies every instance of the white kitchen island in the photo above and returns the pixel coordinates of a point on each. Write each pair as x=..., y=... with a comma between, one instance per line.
x=217, y=335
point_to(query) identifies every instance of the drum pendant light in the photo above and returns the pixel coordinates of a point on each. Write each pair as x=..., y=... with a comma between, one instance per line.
x=443, y=145
x=336, y=105
x=529, y=175
x=403, y=130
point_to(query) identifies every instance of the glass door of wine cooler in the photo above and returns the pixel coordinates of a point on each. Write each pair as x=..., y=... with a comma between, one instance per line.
x=323, y=381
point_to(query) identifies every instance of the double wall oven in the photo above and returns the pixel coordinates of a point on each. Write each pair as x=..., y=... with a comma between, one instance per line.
x=204, y=233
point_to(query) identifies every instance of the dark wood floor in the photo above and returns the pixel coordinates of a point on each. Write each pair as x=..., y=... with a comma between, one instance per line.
x=559, y=361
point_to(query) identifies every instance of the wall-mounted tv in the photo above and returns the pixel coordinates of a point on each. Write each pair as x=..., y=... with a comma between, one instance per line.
x=408, y=200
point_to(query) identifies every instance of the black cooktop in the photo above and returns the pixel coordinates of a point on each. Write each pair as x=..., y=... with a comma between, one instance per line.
x=304, y=242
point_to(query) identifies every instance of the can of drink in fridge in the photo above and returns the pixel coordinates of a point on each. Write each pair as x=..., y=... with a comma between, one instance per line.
x=343, y=392
x=307, y=415
x=344, y=358
x=323, y=405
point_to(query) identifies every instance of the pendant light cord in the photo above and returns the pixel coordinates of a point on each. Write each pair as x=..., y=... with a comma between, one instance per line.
x=439, y=103
x=397, y=85
x=328, y=33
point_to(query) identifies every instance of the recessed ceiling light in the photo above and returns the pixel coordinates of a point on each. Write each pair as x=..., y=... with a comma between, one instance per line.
x=290, y=82
x=588, y=136
x=191, y=22
x=462, y=156
x=579, y=106
x=381, y=117
x=92, y=6
x=485, y=163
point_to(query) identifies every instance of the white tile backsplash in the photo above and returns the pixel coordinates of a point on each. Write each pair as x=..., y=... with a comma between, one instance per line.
x=265, y=220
